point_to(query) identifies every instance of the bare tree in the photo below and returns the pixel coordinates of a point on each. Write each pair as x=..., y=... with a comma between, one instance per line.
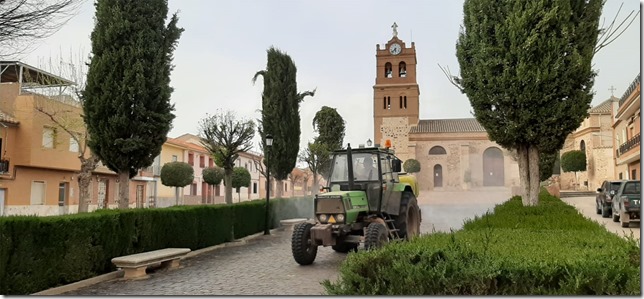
x=24, y=21
x=64, y=109
x=295, y=176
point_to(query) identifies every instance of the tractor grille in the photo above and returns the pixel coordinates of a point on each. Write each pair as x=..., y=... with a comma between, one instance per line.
x=329, y=206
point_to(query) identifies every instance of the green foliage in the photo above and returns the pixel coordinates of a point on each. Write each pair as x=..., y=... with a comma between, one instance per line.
x=331, y=129
x=411, y=166
x=573, y=161
x=241, y=178
x=280, y=112
x=317, y=157
x=548, y=249
x=213, y=175
x=127, y=105
x=547, y=165
x=224, y=137
x=177, y=174
x=37, y=253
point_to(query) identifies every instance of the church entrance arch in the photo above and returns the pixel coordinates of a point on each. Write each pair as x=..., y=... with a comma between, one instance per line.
x=493, y=167
x=438, y=176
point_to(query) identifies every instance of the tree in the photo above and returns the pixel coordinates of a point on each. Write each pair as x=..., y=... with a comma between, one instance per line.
x=241, y=178
x=24, y=21
x=295, y=176
x=224, y=137
x=547, y=165
x=314, y=155
x=331, y=128
x=66, y=116
x=411, y=166
x=127, y=97
x=573, y=161
x=526, y=69
x=212, y=176
x=281, y=113
x=178, y=175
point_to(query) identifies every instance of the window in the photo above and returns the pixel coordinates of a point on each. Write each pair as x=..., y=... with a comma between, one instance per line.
x=254, y=188
x=285, y=186
x=48, y=137
x=202, y=161
x=388, y=102
x=621, y=177
x=174, y=158
x=582, y=146
x=73, y=144
x=384, y=103
x=38, y=193
x=437, y=150
x=210, y=162
x=634, y=174
x=402, y=69
x=401, y=102
x=388, y=70
x=191, y=159
x=405, y=102
x=193, y=189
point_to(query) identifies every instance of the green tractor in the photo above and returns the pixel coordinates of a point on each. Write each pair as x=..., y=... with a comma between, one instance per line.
x=367, y=202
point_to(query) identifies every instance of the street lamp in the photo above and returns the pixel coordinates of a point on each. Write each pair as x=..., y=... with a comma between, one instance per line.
x=369, y=143
x=269, y=143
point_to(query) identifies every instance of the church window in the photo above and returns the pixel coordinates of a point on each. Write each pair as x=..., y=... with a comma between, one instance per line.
x=405, y=103
x=388, y=70
x=402, y=69
x=388, y=102
x=437, y=150
x=401, y=102
x=582, y=146
x=384, y=103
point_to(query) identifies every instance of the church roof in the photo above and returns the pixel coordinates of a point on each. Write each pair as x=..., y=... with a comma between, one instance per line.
x=455, y=125
x=604, y=107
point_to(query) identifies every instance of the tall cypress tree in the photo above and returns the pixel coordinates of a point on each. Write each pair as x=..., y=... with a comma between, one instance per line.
x=526, y=69
x=281, y=114
x=127, y=98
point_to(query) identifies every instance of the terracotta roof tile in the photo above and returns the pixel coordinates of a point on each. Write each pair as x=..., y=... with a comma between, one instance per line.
x=456, y=125
x=7, y=118
x=604, y=107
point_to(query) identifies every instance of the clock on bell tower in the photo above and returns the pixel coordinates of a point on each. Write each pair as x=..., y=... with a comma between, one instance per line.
x=396, y=93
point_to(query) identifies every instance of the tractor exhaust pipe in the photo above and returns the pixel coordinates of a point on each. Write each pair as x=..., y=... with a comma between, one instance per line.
x=350, y=166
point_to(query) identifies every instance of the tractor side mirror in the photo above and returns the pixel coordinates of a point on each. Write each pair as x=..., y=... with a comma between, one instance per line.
x=396, y=165
x=599, y=189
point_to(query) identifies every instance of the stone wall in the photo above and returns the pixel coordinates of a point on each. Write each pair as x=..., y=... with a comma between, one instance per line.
x=397, y=130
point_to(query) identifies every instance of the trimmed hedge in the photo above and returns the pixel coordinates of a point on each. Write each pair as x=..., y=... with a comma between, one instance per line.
x=37, y=253
x=550, y=249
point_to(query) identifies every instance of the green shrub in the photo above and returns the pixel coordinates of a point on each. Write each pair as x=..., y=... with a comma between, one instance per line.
x=549, y=249
x=37, y=253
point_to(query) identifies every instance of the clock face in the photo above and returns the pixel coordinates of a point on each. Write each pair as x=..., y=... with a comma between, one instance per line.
x=395, y=49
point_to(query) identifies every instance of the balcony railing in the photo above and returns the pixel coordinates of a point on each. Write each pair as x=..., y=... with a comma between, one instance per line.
x=4, y=166
x=628, y=145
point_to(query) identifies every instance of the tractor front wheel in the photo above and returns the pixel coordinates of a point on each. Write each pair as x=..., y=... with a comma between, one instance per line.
x=376, y=236
x=303, y=248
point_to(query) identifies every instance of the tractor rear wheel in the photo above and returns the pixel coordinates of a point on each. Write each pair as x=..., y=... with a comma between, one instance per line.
x=376, y=236
x=408, y=220
x=345, y=247
x=303, y=248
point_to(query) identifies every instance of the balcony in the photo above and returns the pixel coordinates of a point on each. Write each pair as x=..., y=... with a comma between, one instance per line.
x=628, y=145
x=4, y=166
x=155, y=170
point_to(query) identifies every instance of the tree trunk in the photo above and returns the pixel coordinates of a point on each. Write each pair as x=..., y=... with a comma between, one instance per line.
x=316, y=188
x=533, y=156
x=124, y=189
x=228, y=184
x=84, y=180
x=280, y=187
x=176, y=196
x=524, y=174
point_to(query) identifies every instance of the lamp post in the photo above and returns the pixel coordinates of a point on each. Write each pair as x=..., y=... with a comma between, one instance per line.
x=369, y=143
x=269, y=143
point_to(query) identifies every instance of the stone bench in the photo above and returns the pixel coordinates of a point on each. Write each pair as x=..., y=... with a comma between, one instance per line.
x=134, y=265
x=288, y=224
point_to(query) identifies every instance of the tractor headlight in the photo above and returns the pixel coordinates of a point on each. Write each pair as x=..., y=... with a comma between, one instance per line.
x=340, y=217
x=322, y=217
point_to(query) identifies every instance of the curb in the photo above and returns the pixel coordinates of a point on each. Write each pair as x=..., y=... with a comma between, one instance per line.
x=119, y=273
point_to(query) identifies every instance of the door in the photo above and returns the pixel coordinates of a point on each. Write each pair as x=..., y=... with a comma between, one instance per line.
x=102, y=194
x=493, y=168
x=62, y=198
x=139, y=196
x=438, y=176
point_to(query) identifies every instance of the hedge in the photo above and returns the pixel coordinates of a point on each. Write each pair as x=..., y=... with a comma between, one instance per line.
x=550, y=249
x=37, y=253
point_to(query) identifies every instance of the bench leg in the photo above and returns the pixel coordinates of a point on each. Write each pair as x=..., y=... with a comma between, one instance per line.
x=132, y=273
x=171, y=264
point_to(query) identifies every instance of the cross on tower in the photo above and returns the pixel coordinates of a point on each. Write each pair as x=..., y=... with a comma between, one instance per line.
x=612, y=90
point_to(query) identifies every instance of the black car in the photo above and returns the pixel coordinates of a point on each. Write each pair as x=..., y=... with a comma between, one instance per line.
x=604, y=197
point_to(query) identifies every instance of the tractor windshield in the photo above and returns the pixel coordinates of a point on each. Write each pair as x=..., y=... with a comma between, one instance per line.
x=365, y=168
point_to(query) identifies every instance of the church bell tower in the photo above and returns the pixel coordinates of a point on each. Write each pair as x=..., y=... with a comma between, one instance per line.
x=395, y=94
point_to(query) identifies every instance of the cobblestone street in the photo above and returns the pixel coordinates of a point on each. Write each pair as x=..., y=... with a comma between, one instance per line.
x=264, y=266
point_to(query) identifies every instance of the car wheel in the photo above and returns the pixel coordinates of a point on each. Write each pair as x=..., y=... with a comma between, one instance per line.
x=615, y=217
x=605, y=211
x=599, y=210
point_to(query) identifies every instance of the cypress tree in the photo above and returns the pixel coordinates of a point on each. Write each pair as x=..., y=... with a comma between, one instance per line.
x=127, y=98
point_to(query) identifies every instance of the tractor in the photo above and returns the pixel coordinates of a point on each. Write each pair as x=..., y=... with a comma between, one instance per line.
x=367, y=201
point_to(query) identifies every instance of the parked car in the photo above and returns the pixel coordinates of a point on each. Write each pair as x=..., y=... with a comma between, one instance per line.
x=626, y=203
x=603, y=200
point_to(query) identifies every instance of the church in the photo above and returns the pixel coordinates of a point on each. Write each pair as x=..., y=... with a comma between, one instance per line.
x=454, y=154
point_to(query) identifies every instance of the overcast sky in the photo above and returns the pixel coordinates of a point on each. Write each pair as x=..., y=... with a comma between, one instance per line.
x=333, y=44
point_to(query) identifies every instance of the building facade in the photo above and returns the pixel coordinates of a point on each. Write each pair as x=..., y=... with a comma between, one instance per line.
x=455, y=154
x=626, y=128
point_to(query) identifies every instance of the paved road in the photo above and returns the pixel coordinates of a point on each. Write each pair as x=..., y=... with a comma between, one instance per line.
x=265, y=266
x=586, y=205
